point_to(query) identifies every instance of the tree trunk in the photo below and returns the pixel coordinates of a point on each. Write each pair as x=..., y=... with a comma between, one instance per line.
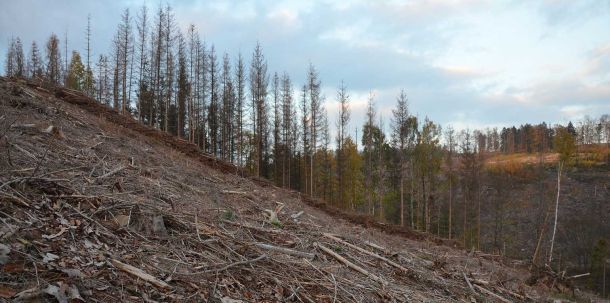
x=556, y=211
x=411, y=198
x=402, y=199
x=537, y=250
x=450, y=206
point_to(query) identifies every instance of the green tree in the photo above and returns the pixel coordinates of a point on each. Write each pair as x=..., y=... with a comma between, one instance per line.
x=76, y=73
x=352, y=179
x=53, y=60
x=428, y=158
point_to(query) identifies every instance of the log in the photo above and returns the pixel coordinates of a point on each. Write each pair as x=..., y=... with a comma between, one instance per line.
x=364, y=251
x=351, y=265
x=380, y=248
x=139, y=273
x=469, y=284
x=287, y=251
x=489, y=292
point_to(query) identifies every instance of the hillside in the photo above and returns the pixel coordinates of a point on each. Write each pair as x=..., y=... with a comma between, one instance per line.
x=96, y=207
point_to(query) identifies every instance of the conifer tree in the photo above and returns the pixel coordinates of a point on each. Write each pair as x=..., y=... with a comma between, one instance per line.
x=53, y=60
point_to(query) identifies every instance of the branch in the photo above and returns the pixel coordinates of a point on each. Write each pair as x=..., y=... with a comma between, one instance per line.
x=287, y=251
x=364, y=251
x=139, y=273
x=351, y=265
x=112, y=172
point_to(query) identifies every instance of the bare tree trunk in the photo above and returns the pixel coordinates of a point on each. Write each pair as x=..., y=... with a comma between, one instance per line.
x=311, y=157
x=465, y=216
x=479, y=220
x=411, y=198
x=537, y=250
x=402, y=199
x=556, y=211
x=450, y=206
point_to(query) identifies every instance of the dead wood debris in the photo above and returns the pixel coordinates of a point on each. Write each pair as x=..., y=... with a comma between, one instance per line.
x=69, y=233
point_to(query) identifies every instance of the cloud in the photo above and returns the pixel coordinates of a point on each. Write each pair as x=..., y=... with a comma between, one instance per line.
x=571, y=13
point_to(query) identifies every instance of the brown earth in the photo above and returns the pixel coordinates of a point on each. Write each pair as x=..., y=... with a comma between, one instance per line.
x=97, y=207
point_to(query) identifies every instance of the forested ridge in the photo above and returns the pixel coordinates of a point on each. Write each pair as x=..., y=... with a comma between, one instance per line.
x=537, y=192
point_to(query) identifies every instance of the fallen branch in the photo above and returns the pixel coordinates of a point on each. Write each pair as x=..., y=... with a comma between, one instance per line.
x=112, y=172
x=139, y=273
x=364, y=251
x=287, y=251
x=261, y=257
x=510, y=292
x=380, y=248
x=61, y=232
x=469, y=284
x=273, y=231
x=234, y=192
x=351, y=265
x=297, y=215
x=16, y=199
x=489, y=292
x=110, y=233
x=579, y=276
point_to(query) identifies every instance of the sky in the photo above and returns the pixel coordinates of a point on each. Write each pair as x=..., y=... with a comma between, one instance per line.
x=465, y=63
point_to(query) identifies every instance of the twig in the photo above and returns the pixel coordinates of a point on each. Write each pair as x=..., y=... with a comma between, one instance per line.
x=234, y=192
x=261, y=257
x=112, y=172
x=92, y=220
x=287, y=251
x=44, y=156
x=197, y=228
x=21, y=149
x=16, y=199
x=273, y=231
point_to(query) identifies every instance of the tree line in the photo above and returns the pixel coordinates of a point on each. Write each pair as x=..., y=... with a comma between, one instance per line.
x=408, y=171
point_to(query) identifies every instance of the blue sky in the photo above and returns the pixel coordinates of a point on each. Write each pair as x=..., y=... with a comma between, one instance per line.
x=468, y=63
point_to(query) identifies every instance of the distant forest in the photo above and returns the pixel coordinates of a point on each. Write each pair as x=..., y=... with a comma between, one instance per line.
x=407, y=171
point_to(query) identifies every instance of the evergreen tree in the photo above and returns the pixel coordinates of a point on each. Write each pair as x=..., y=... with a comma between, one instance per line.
x=259, y=81
x=228, y=103
x=315, y=102
x=76, y=73
x=19, y=59
x=240, y=99
x=53, y=60
x=288, y=136
x=342, y=124
x=35, y=63
x=214, y=108
x=184, y=87
x=88, y=81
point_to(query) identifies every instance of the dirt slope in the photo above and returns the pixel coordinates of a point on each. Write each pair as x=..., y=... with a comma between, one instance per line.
x=96, y=207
